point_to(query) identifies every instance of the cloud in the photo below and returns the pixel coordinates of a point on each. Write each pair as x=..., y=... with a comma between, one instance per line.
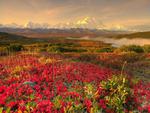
x=125, y=12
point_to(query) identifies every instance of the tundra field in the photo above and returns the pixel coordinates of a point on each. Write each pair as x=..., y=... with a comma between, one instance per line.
x=72, y=76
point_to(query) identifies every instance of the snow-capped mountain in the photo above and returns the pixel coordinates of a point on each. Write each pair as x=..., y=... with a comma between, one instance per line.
x=85, y=22
x=12, y=25
x=33, y=25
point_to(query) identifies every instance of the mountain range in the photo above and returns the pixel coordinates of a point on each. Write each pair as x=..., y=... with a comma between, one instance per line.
x=84, y=23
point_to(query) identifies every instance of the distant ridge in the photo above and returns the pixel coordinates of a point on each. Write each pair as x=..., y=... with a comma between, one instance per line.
x=72, y=32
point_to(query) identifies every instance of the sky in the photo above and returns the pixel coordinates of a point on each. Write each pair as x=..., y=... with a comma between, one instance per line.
x=109, y=14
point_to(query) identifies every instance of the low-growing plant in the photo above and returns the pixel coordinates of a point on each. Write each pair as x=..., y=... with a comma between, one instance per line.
x=14, y=47
x=146, y=48
x=43, y=85
x=119, y=90
x=132, y=48
x=106, y=49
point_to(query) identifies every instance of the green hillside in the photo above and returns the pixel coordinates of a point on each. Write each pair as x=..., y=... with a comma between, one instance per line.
x=7, y=39
x=135, y=35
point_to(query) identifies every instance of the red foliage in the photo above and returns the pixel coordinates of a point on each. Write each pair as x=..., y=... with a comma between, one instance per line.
x=40, y=83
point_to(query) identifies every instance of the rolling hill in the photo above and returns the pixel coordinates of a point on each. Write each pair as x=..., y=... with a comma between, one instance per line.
x=8, y=38
x=134, y=35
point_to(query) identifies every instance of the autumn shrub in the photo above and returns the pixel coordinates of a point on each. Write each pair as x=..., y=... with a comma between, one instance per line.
x=115, y=61
x=54, y=49
x=41, y=50
x=105, y=49
x=87, y=58
x=3, y=51
x=132, y=57
x=60, y=49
